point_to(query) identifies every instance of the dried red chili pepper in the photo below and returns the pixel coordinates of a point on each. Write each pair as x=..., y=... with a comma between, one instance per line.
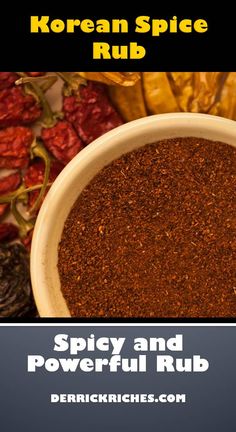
x=32, y=86
x=91, y=112
x=8, y=184
x=15, y=144
x=7, y=79
x=34, y=175
x=17, y=108
x=3, y=209
x=62, y=141
x=8, y=232
x=59, y=136
x=35, y=74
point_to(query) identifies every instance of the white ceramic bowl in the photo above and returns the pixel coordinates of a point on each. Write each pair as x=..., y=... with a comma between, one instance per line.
x=77, y=174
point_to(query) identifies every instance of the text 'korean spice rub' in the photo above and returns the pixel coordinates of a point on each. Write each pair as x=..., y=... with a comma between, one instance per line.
x=154, y=235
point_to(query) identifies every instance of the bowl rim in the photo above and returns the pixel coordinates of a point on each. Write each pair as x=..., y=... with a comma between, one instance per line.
x=36, y=263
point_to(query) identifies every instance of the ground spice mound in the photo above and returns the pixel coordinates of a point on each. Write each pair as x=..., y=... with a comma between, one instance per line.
x=154, y=235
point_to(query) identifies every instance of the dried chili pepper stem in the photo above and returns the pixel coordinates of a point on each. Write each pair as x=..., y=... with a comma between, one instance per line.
x=7, y=198
x=14, y=197
x=72, y=81
x=24, y=225
x=48, y=118
x=38, y=150
x=44, y=82
x=20, y=193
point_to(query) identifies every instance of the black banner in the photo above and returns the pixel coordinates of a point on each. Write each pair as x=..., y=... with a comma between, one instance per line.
x=94, y=38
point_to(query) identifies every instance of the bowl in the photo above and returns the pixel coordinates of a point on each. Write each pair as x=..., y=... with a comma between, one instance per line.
x=78, y=173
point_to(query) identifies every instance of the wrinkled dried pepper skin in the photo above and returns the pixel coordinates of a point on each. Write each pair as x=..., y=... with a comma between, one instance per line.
x=17, y=108
x=62, y=141
x=34, y=175
x=8, y=184
x=7, y=79
x=91, y=112
x=8, y=232
x=15, y=145
x=16, y=298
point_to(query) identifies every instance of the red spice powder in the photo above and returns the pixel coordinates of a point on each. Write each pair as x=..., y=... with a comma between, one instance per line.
x=154, y=235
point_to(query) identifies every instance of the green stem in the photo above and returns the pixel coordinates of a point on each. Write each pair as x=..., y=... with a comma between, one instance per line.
x=47, y=82
x=14, y=197
x=4, y=199
x=49, y=118
x=44, y=82
x=24, y=225
x=37, y=150
x=72, y=81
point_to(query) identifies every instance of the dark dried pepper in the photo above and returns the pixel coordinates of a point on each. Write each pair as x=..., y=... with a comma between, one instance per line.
x=17, y=108
x=8, y=232
x=91, y=112
x=15, y=144
x=62, y=141
x=16, y=298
